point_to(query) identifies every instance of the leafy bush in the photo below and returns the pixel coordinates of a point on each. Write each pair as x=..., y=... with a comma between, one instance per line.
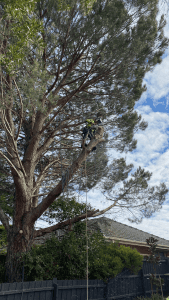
x=66, y=259
x=3, y=237
x=111, y=260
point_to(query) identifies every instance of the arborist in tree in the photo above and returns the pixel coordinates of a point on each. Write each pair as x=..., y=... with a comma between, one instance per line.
x=90, y=129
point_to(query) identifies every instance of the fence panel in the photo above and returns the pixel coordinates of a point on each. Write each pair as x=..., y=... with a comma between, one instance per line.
x=131, y=286
x=77, y=289
x=124, y=286
x=163, y=267
x=36, y=290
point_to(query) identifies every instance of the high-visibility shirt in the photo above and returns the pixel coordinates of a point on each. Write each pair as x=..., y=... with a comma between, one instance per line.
x=90, y=122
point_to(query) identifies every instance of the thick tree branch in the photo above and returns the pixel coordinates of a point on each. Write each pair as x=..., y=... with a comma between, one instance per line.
x=52, y=134
x=10, y=163
x=41, y=175
x=10, y=132
x=76, y=219
x=21, y=117
x=64, y=100
x=68, y=70
x=34, y=214
x=63, y=48
x=63, y=224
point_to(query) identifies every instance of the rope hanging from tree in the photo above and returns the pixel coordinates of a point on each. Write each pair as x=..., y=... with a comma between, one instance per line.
x=61, y=159
x=86, y=231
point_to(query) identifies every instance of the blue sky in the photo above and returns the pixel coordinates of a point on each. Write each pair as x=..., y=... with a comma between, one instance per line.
x=151, y=153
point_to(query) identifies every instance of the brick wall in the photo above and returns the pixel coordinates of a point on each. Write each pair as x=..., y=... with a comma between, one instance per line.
x=143, y=250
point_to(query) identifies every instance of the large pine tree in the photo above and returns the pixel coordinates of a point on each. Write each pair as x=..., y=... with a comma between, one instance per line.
x=86, y=63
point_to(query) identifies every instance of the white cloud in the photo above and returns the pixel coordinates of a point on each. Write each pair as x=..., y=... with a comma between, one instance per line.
x=157, y=82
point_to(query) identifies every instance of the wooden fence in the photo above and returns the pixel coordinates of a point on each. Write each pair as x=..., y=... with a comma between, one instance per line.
x=122, y=287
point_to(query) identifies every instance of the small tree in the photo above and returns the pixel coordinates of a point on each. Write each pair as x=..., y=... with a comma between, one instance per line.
x=155, y=260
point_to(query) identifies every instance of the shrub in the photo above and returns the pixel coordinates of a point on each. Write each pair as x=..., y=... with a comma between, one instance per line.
x=66, y=259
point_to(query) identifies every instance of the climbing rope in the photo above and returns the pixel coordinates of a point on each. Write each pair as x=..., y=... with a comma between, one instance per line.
x=61, y=159
x=86, y=231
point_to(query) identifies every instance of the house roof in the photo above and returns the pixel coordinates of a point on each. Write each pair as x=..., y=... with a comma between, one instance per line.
x=114, y=230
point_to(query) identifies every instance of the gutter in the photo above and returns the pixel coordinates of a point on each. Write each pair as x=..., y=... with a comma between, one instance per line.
x=136, y=243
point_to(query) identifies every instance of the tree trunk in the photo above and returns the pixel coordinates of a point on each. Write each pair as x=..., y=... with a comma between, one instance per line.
x=18, y=244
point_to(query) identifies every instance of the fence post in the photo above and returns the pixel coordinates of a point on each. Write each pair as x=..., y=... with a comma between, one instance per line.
x=106, y=290
x=167, y=279
x=142, y=277
x=55, y=285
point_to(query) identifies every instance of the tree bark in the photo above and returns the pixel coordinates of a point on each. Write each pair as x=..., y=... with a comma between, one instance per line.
x=17, y=244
